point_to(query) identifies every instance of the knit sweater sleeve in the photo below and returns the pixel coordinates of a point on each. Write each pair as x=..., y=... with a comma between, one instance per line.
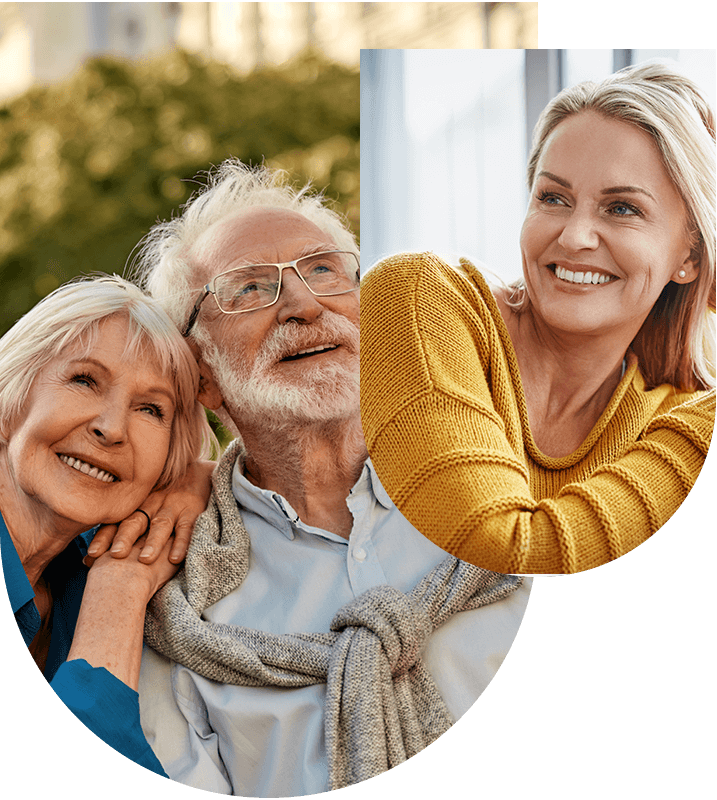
x=456, y=467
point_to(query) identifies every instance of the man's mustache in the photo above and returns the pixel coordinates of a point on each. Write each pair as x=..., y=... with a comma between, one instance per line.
x=330, y=329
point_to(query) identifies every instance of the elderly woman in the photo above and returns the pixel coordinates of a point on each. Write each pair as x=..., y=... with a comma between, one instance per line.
x=97, y=408
x=554, y=425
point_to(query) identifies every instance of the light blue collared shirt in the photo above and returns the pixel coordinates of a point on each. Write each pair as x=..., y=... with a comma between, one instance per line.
x=270, y=741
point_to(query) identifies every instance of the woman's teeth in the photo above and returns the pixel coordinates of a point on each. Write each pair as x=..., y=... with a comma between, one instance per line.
x=582, y=277
x=88, y=469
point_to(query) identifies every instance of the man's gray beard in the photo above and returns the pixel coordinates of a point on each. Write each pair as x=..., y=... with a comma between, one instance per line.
x=323, y=393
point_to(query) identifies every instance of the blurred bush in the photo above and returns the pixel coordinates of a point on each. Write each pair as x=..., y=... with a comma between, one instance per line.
x=89, y=164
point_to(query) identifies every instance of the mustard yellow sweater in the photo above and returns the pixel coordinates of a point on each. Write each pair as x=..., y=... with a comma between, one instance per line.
x=447, y=428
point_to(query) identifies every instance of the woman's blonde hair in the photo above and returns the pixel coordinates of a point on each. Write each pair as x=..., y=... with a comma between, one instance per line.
x=676, y=342
x=70, y=316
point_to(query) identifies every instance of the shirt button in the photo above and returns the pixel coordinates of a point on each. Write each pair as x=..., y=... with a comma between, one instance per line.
x=359, y=554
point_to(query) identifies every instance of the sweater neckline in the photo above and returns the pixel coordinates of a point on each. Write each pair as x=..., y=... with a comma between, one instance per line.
x=630, y=374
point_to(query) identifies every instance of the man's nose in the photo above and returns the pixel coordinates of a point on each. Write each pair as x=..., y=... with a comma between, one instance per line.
x=296, y=300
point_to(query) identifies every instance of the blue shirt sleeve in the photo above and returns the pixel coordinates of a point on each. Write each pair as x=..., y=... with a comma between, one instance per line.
x=108, y=707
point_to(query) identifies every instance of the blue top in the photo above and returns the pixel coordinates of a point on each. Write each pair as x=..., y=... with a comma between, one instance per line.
x=108, y=707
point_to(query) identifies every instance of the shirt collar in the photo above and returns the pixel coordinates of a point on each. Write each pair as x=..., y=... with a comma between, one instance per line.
x=265, y=503
x=277, y=510
x=376, y=486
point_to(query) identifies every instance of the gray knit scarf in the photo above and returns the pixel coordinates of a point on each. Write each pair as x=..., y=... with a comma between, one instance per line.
x=382, y=706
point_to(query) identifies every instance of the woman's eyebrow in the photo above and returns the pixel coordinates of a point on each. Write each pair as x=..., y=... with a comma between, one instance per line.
x=611, y=190
x=627, y=190
x=88, y=360
x=551, y=176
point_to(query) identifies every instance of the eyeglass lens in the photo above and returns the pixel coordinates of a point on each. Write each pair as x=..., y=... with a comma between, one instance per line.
x=255, y=286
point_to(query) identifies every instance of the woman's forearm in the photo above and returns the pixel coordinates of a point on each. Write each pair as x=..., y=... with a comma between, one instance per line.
x=443, y=426
x=110, y=625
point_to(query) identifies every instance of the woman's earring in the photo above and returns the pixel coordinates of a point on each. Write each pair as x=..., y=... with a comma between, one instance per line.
x=682, y=274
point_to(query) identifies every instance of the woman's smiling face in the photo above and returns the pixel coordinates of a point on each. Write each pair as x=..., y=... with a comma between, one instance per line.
x=95, y=431
x=602, y=203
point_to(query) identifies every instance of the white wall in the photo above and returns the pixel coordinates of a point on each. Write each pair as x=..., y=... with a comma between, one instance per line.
x=444, y=148
x=438, y=128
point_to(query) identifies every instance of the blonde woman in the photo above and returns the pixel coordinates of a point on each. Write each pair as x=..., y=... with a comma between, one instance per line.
x=98, y=408
x=552, y=426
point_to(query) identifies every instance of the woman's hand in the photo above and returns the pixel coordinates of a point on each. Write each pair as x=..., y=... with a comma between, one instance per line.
x=111, y=620
x=133, y=573
x=170, y=510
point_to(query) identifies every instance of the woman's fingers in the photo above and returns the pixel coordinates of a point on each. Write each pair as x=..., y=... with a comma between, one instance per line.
x=119, y=539
x=182, y=536
x=169, y=512
x=176, y=512
x=158, y=535
x=128, y=532
x=102, y=540
x=166, y=522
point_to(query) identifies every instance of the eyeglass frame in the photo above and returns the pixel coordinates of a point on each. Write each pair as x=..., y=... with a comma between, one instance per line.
x=209, y=288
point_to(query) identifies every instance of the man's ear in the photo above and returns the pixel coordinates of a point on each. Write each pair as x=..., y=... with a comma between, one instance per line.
x=209, y=394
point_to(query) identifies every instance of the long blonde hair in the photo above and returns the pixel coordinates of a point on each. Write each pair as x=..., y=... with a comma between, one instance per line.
x=676, y=342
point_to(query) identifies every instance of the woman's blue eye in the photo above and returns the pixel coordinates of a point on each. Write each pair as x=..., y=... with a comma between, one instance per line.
x=616, y=209
x=549, y=199
x=83, y=380
x=624, y=210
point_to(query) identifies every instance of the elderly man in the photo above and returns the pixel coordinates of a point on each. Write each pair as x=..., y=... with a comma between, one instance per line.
x=314, y=637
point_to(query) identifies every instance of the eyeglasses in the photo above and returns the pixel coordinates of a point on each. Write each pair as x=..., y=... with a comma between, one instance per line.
x=256, y=286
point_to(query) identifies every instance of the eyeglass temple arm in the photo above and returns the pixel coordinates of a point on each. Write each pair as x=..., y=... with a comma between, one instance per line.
x=195, y=313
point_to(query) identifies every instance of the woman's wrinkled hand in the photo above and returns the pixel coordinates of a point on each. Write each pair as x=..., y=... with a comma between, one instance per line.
x=133, y=574
x=172, y=511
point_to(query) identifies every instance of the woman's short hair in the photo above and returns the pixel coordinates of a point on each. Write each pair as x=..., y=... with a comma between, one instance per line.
x=676, y=343
x=70, y=316
x=167, y=256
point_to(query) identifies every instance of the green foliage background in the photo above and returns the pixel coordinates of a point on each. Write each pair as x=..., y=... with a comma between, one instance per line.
x=89, y=164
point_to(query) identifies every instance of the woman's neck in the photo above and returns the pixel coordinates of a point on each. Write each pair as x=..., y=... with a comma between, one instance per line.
x=38, y=535
x=568, y=380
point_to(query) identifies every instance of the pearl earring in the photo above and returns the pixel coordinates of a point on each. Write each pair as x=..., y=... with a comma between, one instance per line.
x=682, y=274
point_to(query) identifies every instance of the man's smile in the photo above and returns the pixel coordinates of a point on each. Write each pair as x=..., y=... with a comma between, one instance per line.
x=311, y=351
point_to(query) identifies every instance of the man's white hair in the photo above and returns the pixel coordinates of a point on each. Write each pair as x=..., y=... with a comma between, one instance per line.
x=166, y=263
